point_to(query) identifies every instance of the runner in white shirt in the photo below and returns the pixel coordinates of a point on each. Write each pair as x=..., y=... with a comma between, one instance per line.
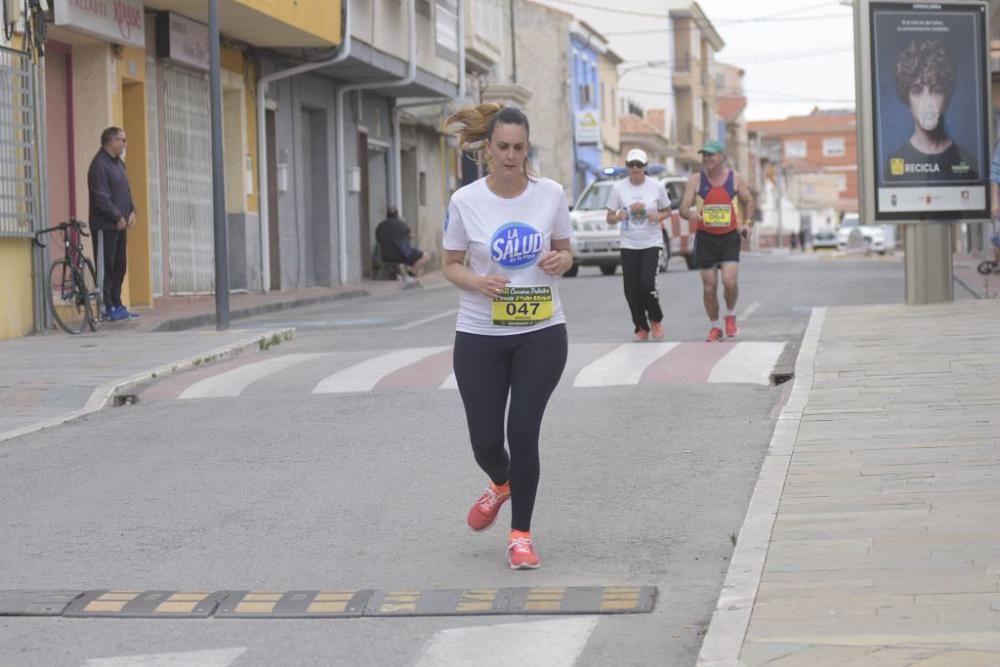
x=506, y=244
x=640, y=204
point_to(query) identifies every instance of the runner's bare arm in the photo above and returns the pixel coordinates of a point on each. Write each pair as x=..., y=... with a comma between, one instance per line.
x=461, y=276
x=615, y=216
x=558, y=260
x=746, y=199
x=688, y=199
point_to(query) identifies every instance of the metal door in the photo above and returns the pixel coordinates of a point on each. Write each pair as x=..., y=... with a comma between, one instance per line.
x=189, y=183
x=155, y=228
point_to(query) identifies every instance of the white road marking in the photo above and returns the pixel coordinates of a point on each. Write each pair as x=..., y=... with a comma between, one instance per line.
x=417, y=323
x=214, y=658
x=748, y=311
x=556, y=643
x=365, y=375
x=622, y=366
x=748, y=363
x=233, y=382
x=450, y=382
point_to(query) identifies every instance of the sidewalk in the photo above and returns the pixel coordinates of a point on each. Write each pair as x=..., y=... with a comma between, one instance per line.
x=873, y=536
x=53, y=378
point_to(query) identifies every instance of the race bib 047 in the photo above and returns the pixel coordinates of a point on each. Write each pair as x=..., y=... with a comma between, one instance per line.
x=522, y=306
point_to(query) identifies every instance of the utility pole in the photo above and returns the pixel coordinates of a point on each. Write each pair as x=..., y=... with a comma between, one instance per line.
x=218, y=183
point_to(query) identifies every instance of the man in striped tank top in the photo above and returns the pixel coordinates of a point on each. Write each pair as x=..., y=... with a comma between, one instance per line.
x=722, y=215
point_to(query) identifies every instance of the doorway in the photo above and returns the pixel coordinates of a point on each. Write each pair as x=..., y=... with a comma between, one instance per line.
x=273, y=244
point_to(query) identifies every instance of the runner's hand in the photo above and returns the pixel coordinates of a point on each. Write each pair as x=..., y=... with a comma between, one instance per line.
x=745, y=231
x=491, y=286
x=552, y=263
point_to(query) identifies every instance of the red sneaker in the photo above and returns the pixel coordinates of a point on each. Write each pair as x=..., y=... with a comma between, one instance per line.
x=657, y=330
x=731, y=328
x=714, y=334
x=640, y=336
x=484, y=511
x=521, y=554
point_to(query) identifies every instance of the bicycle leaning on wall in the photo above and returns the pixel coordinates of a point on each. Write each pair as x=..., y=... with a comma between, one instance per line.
x=71, y=289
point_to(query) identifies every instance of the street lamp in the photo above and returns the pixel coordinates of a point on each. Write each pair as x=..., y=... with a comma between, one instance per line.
x=625, y=69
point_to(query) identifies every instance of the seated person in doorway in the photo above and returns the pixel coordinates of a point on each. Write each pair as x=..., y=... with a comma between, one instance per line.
x=393, y=238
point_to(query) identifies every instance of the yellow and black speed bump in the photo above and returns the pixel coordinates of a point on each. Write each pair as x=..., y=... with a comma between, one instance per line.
x=145, y=604
x=293, y=604
x=514, y=601
x=550, y=600
x=36, y=603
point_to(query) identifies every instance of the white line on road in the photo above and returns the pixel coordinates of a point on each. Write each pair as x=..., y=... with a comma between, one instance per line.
x=450, y=382
x=417, y=323
x=365, y=375
x=750, y=363
x=233, y=382
x=214, y=658
x=556, y=643
x=748, y=311
x=622, y=366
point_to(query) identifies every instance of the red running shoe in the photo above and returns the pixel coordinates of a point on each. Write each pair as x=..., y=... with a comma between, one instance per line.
x=640, y=336
x=731, y=328
x=657, y=330
x=714, y=334
x=521, y=554
x=484, y=511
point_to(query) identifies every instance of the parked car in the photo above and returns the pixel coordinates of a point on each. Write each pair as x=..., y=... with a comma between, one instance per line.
x=870, y=237
x=824, y=238
x=678, y=238
x=595, y=242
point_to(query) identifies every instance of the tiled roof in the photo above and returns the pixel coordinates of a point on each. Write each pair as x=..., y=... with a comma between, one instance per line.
x=730, y=108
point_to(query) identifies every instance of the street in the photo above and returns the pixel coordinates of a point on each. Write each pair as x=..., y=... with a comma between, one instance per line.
x=339, y=460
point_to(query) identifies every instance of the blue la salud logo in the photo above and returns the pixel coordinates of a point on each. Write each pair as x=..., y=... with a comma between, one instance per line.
x=516, y=245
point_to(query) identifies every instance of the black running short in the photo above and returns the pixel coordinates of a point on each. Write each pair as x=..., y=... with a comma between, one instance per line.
x=714, y=249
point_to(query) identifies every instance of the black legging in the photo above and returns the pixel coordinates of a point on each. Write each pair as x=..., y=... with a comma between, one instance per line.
x=115, y=263
x=527, y=367
x=639, y=269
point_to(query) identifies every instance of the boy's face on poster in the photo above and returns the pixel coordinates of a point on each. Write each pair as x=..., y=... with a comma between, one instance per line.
x=927, y=104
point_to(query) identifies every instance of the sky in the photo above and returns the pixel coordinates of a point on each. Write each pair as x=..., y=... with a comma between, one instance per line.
x=797, y=54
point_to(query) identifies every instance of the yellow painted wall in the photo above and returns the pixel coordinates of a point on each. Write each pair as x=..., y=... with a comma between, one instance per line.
x=15, y=288
x=316, y=18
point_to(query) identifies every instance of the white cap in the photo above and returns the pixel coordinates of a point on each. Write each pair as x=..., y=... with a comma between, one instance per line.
x=637, y=155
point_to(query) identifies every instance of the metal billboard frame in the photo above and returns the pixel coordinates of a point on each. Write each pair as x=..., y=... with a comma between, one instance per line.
x=867, y=99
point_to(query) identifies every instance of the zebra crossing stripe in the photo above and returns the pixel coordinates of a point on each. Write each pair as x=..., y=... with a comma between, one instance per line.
x=622, y=366
x=365, y=375
x=750, y=362
x=233, y=382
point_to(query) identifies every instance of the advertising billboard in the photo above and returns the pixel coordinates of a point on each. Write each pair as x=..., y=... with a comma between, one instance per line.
x=930, y=111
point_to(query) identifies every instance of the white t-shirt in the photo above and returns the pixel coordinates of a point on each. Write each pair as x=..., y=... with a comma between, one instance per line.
x=638, y=232
x=508, y=237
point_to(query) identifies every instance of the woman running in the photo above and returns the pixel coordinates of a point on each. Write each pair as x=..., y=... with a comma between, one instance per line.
x=506, y=243
x=641, y=205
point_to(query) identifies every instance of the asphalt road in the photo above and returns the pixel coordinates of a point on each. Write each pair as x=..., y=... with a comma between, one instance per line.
x=279, y=488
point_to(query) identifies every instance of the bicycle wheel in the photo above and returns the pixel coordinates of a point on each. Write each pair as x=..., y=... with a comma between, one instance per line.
x=70, y=293
x=986, y=267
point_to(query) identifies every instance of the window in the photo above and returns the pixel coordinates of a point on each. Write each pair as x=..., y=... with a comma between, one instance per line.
x=795, y=149
x=446, y=28
x=586, y=94
x=833, y=147
x=842, y=182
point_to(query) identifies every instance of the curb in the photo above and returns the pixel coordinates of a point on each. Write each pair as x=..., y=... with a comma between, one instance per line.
x=102, y=395
x=728, y=627
x=195, y=321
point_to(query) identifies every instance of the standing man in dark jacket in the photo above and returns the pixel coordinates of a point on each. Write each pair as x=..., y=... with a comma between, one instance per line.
x=112, y=212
